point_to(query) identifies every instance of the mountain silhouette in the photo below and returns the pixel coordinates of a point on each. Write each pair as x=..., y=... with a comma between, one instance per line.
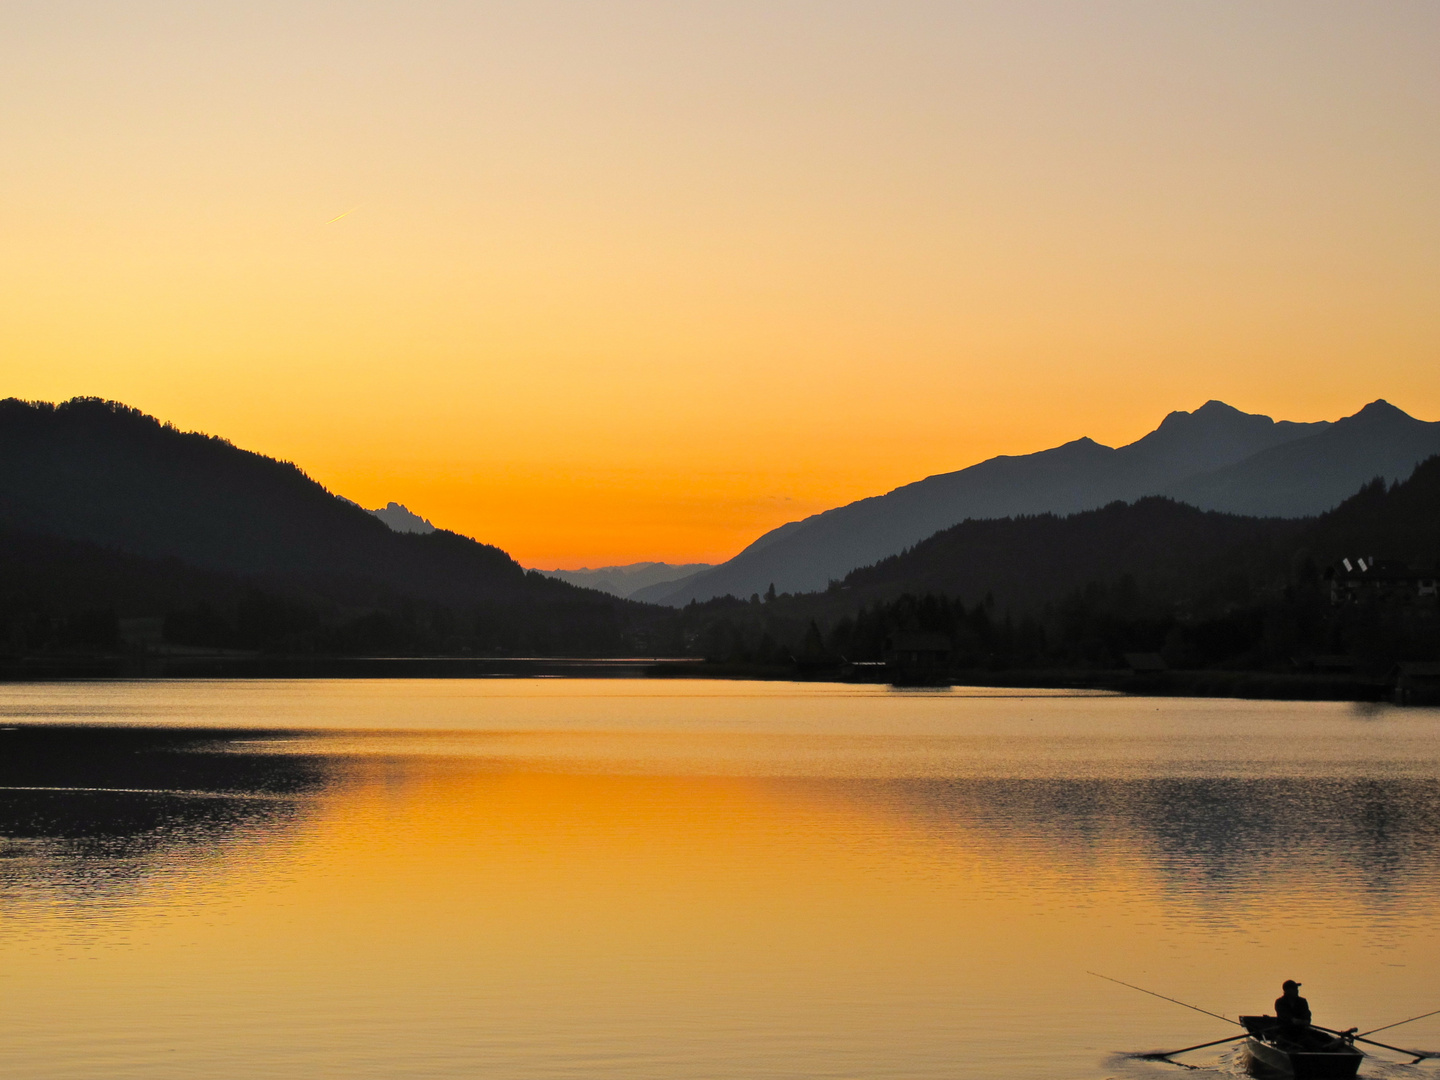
x=1202, y=589
x=401, y=518
x=1171, y=554
x=1215, y=458
x=628, y=580
x=1309, y=476
x=101, y=473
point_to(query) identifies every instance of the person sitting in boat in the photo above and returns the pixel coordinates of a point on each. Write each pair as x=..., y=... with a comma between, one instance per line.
x=1292, y=1010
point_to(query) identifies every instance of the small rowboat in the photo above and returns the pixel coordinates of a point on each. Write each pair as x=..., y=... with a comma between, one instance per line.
x=1310, y=1053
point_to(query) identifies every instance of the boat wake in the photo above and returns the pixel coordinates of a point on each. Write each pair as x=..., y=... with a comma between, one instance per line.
x=1142, y=1066
x=1233, y=1062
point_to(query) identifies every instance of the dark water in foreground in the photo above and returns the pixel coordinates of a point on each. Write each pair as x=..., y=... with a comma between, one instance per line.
x=634, y=879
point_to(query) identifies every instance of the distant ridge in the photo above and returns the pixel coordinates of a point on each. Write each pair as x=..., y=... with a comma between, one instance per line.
x=1215, y=458
x=400, y=519
x=628, y=580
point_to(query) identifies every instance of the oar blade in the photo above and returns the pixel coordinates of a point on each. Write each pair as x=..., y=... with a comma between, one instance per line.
x=1419, y=1055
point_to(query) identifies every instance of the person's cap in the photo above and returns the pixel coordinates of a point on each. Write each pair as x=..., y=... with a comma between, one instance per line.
x=1289, y=983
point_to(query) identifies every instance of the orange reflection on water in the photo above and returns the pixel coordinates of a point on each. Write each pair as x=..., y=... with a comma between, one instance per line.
x=443, y=908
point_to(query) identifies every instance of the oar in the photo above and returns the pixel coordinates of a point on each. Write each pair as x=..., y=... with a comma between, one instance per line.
x=1160, y=1055
x=1419, y=1055
x=1162, y=997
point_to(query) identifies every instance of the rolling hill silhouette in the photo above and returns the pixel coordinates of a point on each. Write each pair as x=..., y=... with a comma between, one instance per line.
x=98, y=471
x=1169, y=550
x=105, y=506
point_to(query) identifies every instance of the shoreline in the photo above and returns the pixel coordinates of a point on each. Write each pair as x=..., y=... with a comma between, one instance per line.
x=1257, y=685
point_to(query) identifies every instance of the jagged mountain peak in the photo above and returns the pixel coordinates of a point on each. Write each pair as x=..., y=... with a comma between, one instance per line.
x=1216, y=415
x=1214, y=409
x=1213, y=436
x=402, y=519
x=1308, y=476
x=1213, y=415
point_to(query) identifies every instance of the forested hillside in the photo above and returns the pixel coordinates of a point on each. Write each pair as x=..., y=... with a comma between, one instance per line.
x=106, y=513
x=1166, y=551
x=1202, y=589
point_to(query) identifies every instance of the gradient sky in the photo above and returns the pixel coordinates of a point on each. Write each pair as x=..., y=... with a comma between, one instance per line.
x=600, y=282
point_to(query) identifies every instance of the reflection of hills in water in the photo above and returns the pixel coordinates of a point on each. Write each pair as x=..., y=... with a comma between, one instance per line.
x=93, y=810
x=1215, y=834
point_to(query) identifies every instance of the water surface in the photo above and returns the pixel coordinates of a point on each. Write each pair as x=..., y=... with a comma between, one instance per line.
x=609, y=878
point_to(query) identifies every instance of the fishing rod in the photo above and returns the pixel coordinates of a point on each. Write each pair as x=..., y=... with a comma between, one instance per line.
x=1162, y=997
x=1397, y=1023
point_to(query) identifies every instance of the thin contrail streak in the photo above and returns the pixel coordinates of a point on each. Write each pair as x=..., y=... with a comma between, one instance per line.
x=337, y=217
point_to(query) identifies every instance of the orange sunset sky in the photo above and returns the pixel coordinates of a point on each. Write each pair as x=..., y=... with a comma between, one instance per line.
x=608, y=281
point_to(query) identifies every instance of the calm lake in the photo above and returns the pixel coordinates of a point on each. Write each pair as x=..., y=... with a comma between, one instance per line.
x=673, y=879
